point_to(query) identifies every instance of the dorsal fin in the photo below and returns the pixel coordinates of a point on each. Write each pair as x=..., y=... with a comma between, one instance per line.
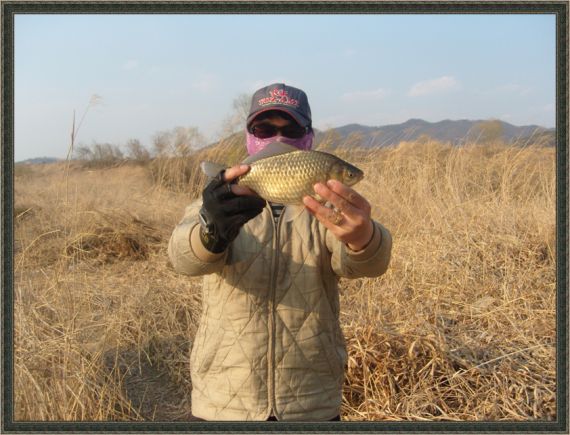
x=273, y=149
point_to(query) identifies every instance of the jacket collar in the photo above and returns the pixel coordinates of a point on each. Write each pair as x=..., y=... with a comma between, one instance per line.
x=290, y=212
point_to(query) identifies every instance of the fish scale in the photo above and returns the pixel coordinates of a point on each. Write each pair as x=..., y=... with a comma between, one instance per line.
x=287, y=178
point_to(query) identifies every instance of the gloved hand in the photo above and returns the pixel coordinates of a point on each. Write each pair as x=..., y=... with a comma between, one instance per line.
x=223, y=213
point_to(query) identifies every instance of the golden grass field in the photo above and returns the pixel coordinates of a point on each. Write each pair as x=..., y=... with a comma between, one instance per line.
x=461, y=327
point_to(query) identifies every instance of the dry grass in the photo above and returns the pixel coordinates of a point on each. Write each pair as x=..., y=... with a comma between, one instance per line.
x=462, y=326
x=183, y=174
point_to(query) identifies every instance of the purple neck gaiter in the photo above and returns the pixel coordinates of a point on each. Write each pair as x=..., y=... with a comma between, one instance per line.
x=254, y=144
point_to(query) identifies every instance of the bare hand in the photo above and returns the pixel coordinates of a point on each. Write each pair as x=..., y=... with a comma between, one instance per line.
x=353, y=226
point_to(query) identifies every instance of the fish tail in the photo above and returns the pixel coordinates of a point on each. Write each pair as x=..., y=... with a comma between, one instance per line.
x=211, y=169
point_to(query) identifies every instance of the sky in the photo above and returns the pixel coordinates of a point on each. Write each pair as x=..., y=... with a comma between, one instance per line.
x=153, y=73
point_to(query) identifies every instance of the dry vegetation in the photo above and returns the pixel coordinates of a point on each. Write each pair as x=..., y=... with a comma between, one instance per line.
x=462, y=327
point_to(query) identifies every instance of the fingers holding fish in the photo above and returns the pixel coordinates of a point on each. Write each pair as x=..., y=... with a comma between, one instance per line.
x=330, y=218
x=350, y=224
x=339, y=202
x=336, y=217
x=358, y=213
x=350, y=195
x=232, y=174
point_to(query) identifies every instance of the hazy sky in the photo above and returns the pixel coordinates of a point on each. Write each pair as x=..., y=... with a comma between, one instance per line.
x=156, y=72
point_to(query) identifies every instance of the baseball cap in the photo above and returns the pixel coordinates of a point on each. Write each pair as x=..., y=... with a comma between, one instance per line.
x=279, y=96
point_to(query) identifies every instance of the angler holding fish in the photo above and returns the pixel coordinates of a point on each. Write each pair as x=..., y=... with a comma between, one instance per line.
x=272, y=236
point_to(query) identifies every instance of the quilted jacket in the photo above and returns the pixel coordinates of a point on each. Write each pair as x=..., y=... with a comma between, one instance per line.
x=269, y=340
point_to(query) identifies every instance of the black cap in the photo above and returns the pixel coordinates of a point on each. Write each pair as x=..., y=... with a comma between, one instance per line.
x=279, y=96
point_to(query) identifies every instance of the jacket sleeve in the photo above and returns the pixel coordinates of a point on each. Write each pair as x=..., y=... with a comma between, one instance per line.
x=185, y=249
x=371, y=261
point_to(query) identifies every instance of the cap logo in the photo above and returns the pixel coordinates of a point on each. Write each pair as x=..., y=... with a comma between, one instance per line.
x=278, y=96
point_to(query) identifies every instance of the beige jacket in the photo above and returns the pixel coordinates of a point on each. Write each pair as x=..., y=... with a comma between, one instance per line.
x=269, y=340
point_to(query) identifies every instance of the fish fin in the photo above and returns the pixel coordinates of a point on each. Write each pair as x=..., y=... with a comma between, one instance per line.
x=273, y=149
x=211, y=169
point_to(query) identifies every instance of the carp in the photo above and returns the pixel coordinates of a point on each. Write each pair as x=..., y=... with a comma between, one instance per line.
x=284, y=174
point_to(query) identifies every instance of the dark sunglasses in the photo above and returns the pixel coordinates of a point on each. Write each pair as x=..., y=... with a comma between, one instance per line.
x=265, y=130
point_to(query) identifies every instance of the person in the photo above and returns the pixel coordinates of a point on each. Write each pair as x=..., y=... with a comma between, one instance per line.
x=269, y=344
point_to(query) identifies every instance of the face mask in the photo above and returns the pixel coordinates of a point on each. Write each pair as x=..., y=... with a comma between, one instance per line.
x=255, y=144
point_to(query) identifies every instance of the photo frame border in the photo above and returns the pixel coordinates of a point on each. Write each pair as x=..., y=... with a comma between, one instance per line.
x=11, y=8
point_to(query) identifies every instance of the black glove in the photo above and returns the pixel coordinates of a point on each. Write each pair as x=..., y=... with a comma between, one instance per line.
x=223, y=213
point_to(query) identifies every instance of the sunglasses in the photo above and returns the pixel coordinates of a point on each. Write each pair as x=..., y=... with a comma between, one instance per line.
x=265, y=130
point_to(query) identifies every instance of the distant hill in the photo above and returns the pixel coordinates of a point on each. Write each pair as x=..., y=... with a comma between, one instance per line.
x=38, y=160
x=456, y=132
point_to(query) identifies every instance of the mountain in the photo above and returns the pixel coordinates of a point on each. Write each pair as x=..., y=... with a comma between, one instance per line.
x=456, y=132
x=38, y=160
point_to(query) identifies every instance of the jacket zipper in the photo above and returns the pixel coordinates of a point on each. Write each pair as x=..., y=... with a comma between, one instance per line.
x=271, y=356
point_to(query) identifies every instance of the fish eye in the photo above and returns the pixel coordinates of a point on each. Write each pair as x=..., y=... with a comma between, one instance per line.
x=350, y=175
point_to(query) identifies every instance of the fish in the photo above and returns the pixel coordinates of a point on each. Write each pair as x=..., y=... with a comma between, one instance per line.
x=284, y=174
